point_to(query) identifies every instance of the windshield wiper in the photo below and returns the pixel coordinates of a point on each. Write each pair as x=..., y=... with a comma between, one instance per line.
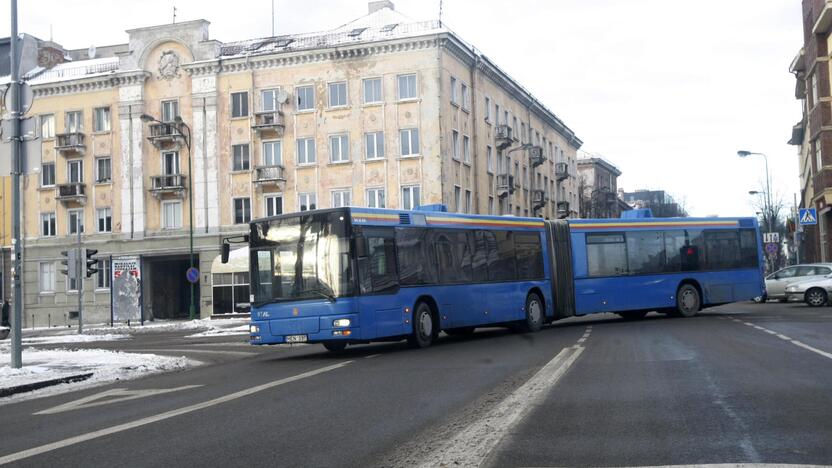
x=329, y=296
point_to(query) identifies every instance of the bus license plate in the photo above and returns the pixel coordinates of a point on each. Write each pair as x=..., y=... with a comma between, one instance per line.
x=296, y=338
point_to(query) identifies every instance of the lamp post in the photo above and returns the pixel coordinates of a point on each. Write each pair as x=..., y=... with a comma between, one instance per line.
x=767, y=194
x=180, y=125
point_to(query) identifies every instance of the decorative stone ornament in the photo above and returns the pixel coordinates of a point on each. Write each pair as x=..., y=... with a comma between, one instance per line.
x=168, y=66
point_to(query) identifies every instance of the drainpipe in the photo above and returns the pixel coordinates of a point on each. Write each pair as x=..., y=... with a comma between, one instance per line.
x=476, y=141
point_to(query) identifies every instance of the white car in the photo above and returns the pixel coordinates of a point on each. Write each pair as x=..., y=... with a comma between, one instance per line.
x=777, y=282
x=814, y=292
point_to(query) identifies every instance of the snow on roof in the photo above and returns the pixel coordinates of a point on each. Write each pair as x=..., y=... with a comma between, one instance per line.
x=73, y=70
x=378, y=19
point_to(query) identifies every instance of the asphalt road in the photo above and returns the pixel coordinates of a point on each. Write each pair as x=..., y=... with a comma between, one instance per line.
x=743, y=383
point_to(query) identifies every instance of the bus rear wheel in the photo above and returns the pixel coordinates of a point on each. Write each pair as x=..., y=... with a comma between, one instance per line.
x=688, y=301
x=534, y=313
x=423, y=326
x=335, y=346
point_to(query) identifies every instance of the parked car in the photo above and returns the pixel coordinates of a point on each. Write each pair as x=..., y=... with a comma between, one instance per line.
x=777, y=282
x=814, y=292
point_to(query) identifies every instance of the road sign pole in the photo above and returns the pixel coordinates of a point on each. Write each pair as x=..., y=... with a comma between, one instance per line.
x=14, y=110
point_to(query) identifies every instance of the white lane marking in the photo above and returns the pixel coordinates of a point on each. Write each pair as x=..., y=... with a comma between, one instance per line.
x=770, y=332
x=472, y=445
x=372, y=356
x=115, y=395
x=13, y=457
x=581, y=340
x=188, y=350
x=793, y=341
x=783, y=337
x=814, y=350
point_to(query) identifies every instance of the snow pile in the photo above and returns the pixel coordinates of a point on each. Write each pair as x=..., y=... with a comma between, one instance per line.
x=75, y=338
x=232, y=331
x=169, y=326
x=106, y=366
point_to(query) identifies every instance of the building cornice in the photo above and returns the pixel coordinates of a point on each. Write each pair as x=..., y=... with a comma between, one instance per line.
x=90, y=84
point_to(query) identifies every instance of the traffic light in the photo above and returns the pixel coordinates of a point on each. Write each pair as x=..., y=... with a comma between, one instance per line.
x=70, y=263
x=92, y=263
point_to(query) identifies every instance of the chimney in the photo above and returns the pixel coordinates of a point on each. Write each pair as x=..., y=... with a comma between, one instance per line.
x=380, y=4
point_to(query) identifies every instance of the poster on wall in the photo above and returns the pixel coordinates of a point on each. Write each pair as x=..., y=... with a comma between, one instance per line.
x=127, y=288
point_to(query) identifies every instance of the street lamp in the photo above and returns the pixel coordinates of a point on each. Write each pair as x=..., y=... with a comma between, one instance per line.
x=180, y=125
x=767, y=198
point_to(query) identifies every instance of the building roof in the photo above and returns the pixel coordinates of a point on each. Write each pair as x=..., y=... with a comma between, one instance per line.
x=73, y=70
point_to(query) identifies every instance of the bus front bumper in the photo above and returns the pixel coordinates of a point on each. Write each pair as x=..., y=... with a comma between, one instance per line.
x=305, y=329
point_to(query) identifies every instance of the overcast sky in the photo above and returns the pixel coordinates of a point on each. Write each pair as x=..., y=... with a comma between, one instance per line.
x=668, y=91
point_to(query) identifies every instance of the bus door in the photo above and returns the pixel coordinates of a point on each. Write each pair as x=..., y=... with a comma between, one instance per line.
x=560, y=265
x=380, y=312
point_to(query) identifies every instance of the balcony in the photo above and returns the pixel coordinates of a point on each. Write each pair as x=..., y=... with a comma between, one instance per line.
x=72, y=192
x=268, y=121
x=165, y=136
x=561, y=171
x=563, y=209
x=168, y=184
x=71, y=144
x=824, y=21
x=269, y=175
x=505, y=185
x=539, y=198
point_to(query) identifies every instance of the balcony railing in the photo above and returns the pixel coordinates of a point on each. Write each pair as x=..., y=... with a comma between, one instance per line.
x=563, y=209
x=822, y=181
x=168, y=183
x=561, y=171
x=269, y=174
x=268, y=120
x=165, y=135
x=68, y=144
x=71, y=192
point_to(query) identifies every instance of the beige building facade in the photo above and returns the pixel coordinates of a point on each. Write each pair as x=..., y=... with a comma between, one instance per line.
x=381, y=112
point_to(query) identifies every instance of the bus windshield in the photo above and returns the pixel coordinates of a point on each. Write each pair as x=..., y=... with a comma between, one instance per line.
x=301, y=257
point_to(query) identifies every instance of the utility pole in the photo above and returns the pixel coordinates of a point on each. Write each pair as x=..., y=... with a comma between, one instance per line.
x=79, y=277
x=17, y=315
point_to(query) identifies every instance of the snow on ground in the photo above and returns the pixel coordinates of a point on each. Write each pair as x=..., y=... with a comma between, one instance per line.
x=106, y=366
x=233, y=331
x=76, y=338
x=203, y=325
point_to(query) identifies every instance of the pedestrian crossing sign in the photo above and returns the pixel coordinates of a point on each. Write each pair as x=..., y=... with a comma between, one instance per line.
x=808, y=216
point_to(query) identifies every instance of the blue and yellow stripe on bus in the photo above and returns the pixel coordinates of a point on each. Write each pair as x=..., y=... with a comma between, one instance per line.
x=652, y=224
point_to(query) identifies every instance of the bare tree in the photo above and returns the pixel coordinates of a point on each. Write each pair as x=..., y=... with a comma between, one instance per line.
x=771, y=209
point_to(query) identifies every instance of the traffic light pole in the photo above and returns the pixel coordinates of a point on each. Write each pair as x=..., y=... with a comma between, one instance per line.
x=79, y=277
x=17, y=314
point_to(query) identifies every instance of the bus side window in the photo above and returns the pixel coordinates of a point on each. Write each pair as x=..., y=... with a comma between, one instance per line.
x=606, y=254
x=378, y=272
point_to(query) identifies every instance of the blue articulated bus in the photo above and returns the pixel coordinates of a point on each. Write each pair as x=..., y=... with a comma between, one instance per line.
x=357, y=275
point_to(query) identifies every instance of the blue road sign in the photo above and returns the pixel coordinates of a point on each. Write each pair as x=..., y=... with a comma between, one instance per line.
x=771, y=249
x=808, y=216
x=192, y=275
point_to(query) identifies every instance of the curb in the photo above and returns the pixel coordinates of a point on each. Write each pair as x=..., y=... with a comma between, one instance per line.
x=8, y=391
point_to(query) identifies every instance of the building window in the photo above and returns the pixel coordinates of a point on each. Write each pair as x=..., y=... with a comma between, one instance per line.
x=496, y=114
x=407, y=86
x=814, y=98
x=468, y=201
x=76, y=220
x=341, y=198
x=47, y=174
x=239, y=104
x=374, y=145
x=514, y=127
x=101, y=119
x=171, y=215
x=305, y=97
x=74, y=122
x=170, y=163
x=465, y=97
x=457, y=199
x=410, y=141
x=307, y=201
x=372, y=91
x=454, y=97
x=47, y=126
x=170, y=110
x=818, y=156
x=273, y=153
x=274, y=205
x=466, y=149
x=338, y=94
x=241, y=160
x=455, y=144
x=306, y=151
x=522, y=132
x=242, y=210
x=47, y=224
x=268, y=100
x=491, y=205
x=487, y=109
x=232, y=292
x=339, y=149
x=75, y=171
x=375, y=198
x=102, y=280
x=46, y=277
x=103, y=170
x=489, y=156
x=411, y=197
x=105, y=219
x=506, y=119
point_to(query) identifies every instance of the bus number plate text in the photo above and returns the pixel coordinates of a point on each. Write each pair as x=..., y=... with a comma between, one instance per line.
x=296, y=338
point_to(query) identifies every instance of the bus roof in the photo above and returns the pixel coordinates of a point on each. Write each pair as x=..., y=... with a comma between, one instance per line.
x=387, y=217
x=660, y=223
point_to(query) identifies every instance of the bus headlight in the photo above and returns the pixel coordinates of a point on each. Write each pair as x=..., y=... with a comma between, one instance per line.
x=341, y=323
x=255, y=328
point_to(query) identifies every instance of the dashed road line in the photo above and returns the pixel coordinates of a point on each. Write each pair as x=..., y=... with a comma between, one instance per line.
x=13, y=457
x=789, y=339
x=372, y=356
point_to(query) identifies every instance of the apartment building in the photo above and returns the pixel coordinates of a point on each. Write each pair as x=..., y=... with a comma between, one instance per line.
x=598, y=187
x=382, y=112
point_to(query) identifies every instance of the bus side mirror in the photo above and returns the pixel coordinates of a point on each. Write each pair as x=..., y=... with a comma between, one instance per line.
x=361, y=247
x=225, y=251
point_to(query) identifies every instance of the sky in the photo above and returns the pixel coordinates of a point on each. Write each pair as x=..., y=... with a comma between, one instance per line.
x=667, y=91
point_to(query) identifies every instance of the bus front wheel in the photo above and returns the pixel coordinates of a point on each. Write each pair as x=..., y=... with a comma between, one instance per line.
x=688, y=301
x=423, y=326
x=534, y=313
